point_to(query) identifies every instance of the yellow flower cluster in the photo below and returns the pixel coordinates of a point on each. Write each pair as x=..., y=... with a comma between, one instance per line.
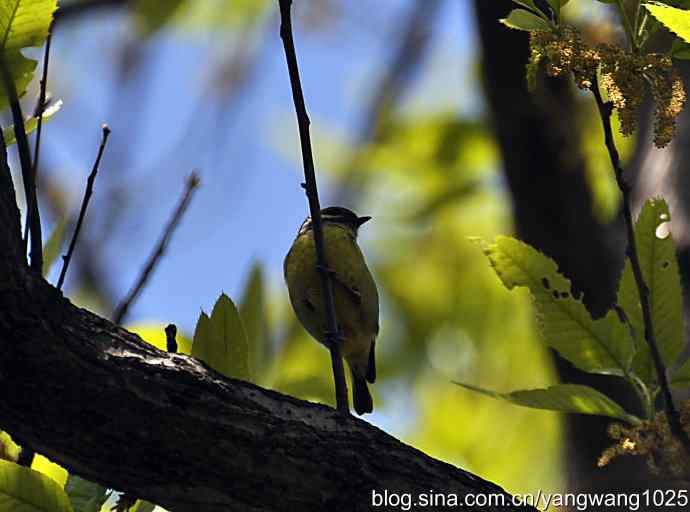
x=653, y=440
x=622, y=74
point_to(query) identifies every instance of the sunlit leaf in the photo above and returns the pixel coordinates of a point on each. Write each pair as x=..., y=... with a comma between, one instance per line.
x=85, y=496
x=25, y=22
x=254, y=318
x=525, y=20
x=22, y=71
x=9, y=450
x=50, y=469
x=30, y=124
x=599, y=346
x=674, y=19
x=51, y=249
x=571, y=398
x=221, y=341
x=26, y=490
x=143, y=506
x=659, y=266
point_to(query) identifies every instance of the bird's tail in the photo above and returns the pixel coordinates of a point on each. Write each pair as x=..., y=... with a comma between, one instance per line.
x=360, y=395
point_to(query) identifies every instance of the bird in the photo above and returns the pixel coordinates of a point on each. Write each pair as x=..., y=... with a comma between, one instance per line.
x=355, y=295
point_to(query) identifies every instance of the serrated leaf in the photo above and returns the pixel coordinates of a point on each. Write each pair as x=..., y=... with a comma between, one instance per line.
x=23, y=489
x=521, y=19
x=25, y=22
x=30, y=124
x=254, y=318
x=572, y=398
x=681, y=377
x=221, y=341
x=660, y=273
x=603, y=345
x=51, y=249
x=674, y=19
x=85, y=496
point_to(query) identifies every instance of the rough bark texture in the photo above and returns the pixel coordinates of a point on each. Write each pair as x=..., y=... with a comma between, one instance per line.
x=164, y=427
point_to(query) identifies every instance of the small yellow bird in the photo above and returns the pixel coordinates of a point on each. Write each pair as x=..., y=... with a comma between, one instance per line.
x=354, y=293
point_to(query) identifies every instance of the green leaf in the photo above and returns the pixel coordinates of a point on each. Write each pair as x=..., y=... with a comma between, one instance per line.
x=51, y=249
x=571, y=398
x=30, y=124
x=151, y=15
x=528, y=4
x=254, y=318
x=681, y=377
x=143, y=506
x=25, y=22
x=660, y=273
x=597, y=346
x=674, y=19
x=521, y=19
x=680, y=49
x=22, y=71
x=9, y=450
x=85, y=496
x=221, y=341
x=25, y=490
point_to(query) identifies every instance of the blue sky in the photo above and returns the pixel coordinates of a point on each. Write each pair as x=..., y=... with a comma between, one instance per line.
x=250, y=203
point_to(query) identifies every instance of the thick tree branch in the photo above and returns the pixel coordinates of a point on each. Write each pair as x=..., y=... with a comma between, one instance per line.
x=166, y=428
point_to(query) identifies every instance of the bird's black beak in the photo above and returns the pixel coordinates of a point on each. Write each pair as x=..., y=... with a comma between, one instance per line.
x=362, y=220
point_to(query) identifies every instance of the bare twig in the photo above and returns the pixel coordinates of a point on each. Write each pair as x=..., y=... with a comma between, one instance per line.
x=314, y=207
x=32, y=216
x=84, y=205
x=170, y=338
x=605, y=111
x=40, y=108
x=123, y=308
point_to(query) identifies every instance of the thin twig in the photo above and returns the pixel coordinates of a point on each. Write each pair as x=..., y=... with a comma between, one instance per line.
x=314, y=207
x=32, y=216
x=40, y=108
x=122, y=309
x=84, y=205
x=605, y=111
x=170, y=338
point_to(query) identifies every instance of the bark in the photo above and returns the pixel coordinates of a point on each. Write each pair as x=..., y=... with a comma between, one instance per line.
x=164, y=427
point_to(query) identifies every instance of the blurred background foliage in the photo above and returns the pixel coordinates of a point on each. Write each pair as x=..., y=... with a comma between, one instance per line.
x=400, y=134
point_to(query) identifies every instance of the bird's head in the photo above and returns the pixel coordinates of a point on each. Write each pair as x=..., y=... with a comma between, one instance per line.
x=337, y=215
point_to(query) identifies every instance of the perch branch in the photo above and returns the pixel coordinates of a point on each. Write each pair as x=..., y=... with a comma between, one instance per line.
x=314, y=207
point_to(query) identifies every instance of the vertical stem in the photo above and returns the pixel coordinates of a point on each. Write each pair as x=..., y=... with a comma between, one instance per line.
x=629, y=28
x=605, y=111
x=33, y=217
x=314, y=207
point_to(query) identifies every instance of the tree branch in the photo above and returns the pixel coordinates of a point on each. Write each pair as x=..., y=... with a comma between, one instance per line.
x=315, y=209
x=123, y=308
x=84, y=205
x=605, y=111
x=32, y=215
